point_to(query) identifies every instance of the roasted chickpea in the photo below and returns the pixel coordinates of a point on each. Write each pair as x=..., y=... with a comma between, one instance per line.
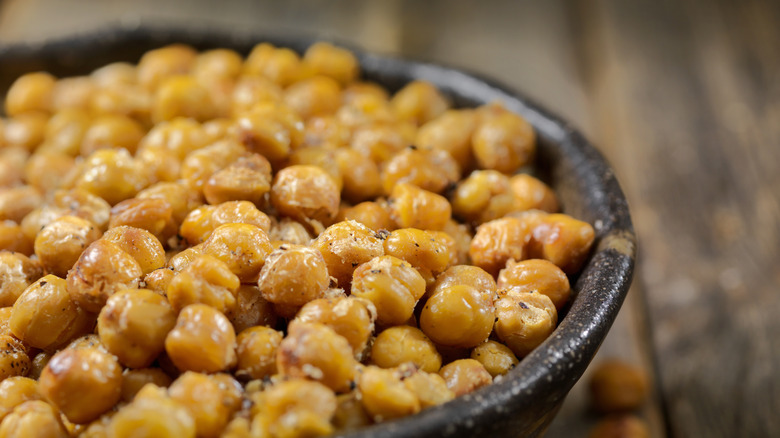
x=350, y=317
x=206, y=401
x=360, y=176
x=465, y=375
x=112, y=131
x=293, y=275
x=26, y=130
x=357, y=89
x=305, y=192
x=371, y=214
x=12, y=162
x=421, y=248
x=335, y=62
x=33, y=418
x=294, y=408
x=240, y=212
x=458, y=316
x=14, y=357
x=316, y=96
x=88, y=341
x=203, y=340
x=326, y=132
x=524, y=320
x=433, y=170
x=72, y=93
x=154, y=215
x=46, y=169
x=281, y=65
x=182, y=96
x=315, y=351
x=617, y=386
x=622, y=426
x=65, y=131
x=497, y=358
x=217, y=64
x=111, y=174
x=401, y=344
x=450, y=132
x=181, y=136
x=242, y=247
x=392, y=285
x=178, y=195
x=14, y=239
x=134, y=380
x=385, y=396
x=46, y=317
x=16, y=273
x=205, y=280
x=324, y=158
x=101, y=270
x=250, y=90
x=563, y=240
x=350, y=413
x=429, y=388
x=413, y=207
x=17, y=202
x=483, y=196
x=468, y=275
x=60, y=243
x=504, y=142
x=499, y=241
x=158, y=280
x=419, y=101
x=30, y=92
x=157, y=412
x=289, y=231
x=82, y=383
x=133, y=326
x=531, y=193
x=364, y=109
x=248, y=178
x=15, y=391
x=378, y=141
x=271, y=130
x=251, y=309
x=157, y=65
x=346, y=245
x=536, y=275
x=257, y=347
x=181, y=260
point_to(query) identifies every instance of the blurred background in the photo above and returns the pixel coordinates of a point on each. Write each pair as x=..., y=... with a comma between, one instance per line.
x=683, y=98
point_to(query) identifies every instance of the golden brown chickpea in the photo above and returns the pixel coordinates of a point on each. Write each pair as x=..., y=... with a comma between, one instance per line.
x=26, y=130
x=158, y=280
x=364, y=109
x=293, y=275
x=315, y=351
x=335, y=62
x=61, y=242
x=46, y=169
x=392, y=285
x=251, y=309
x=13, y=238
x=325, y=131
x=271, y=130
x=531, y=193
x=134, y=380
x=419, y=101
x=617, y=386
x=116, y=73
x=154, y=215
x=483, y=196
x=101, y=270
x=240, y=212
x=218, y=63
x=129, y=100
x=622, y=426
x=250, y=90
x=464, y=376
x=198, y=225
x=242, y=247
x=182, y=96
x=30, y=92
x=350, y=413
x=5, y=316
x=413, y=207
x=499, y=241
x=316, y=96
x=179, y=196
x=360, y=176
x=14, y=360
x=351, y=317
x=12, y=160
x=157, y=65
x=429, y=388
x=256, y=352
x=458, y=316
x=378, y=141
x=159, y=414
x=358, y=89
x=65, y=131
x=140, y=244
x=248, y=178
x=305, y=192
x=205, y=280
x=503, y=141
x=87, y=341
x=294, y=408
x=180, y=136
x=536, y=275
x=205, y=400
x=72, y=93
x=450, y=132
x=401, y=344
x=17, y=271
x=34, y=418
x=78, y=203
x=46, y=317
x=112, y=131
x=385, y=396
x=370, y=213
x=17, y=202
x=467, y=275
x=524, y=320
x=324, y=158
x=82, y=383
x=181, y=260
x=39, y=362
x=15, y=391
x=133, y=326
x=289, y=231
x=421, y=248
x=433, y=170
x=497, y=358
x=111, y=174
x=203, y=340
x=280, y=65
x=563, y=240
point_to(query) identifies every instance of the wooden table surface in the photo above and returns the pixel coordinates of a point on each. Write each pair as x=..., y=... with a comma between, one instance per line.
x=683, y=97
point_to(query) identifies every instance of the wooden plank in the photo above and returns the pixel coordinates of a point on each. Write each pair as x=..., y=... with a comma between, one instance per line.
x=687, y=99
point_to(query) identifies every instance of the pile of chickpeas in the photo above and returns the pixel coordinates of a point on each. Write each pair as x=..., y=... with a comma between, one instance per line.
x=212, y=246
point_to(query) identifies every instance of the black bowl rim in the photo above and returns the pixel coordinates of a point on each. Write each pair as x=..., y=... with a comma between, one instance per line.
x=545, y=376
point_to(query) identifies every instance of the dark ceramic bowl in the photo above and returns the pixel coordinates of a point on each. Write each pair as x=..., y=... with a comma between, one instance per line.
x=525, y=401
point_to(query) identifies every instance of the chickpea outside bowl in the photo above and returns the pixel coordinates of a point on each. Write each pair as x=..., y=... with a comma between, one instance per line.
x=521, y=402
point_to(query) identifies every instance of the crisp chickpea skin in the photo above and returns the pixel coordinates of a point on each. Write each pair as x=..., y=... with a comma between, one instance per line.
x=305, y=192
x=15, y=391
x=392, y=285
x=419, y=101
x=401, y=344
x=371, y=214
x=315, y=351
x=205, y=280
x=524, y=321
x=345, y=246
x=385, y=396
x=421, y=248
x=360, y=176
x=30, y=92
x=133, y=326
x=503, y=142
x=458, y=316
x=563, y=240
x=497, y=242
x=351, y=317
x=82, y=383
x=289, y=231
x=324, y=158
x=181, y=260
x=536, y=275
x=17, y=271
x=294, y=408
x=14, y=360
x=450, y=132
x=249, y=90
x=483, y=196
x=34, y=418
x=429, y=388
x=532, y=194
x=134, y=380
x=257, y=347
x=158, y=280
x=154, y=215
x=432, y=170
x=467, y=275
x=316, y=96
x=251, y=309
x=46, y=317
x=112, y=131
x=181, y=198
x=465, y=375
x=182, y=96
x=497, y=358
x=205, y=400
x=413, y=207
x=378, y=141
x=65, y=131
x=61, y=242
x=203, y=340
x=111, y=174
x=293, y=275
x=248, y=179
x=271, y=130
x=335, y=62
x=144, y=247
x=617, y=386
x=155, y=411
x=242, y=247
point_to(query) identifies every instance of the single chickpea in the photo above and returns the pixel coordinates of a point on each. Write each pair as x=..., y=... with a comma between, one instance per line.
x=423, y=249
x=257, y=347
x=60, y=243
x=429, y=387
x=248, y=178
x=158, y=280
x=467, y=275
x=617, y=386
x=46, y=169
x=128, y=100
x=289, y=231
x=157, y=411
x=46, y=317
x=402, y=344
x=30, y=92
x=294, y=408
x=464, y=376
x=335, y=62
x=133, y=326
x=315, y=351
x=249, y=90
x=622, y=426
x=157, y=65
x=72, y=93
x=242, y=247
x=358, y=89
x=82, y=204
x=14, y=359
x=87, y=341
x=154, y=215
x=325, y=131
x=497, y=242
x=532, y=194
x=251, y=309
x=392, y=285
x=111, y=174
x=14, y=239
x=12, y=162
x=378, y=141
x=370, y=213
x=205, y=400
x=450, y=132
x=147, y=251
x=14, y=391
x=112, y=131
x=203, y=340
x=134, y=380
x=419, y=101
x=316, y=96
x=458, y=316
x=497, y=358
x=240, y=212
x=218, y=64
x=563, y=240
x=178, y=195
x=33, y=418
x=365, y=109
x=351, y=317
x=17, y=271
x=182, y=96
x=101, y=270
x=305, y=192
x=65, y=131
x=385, y=396
x=536, y=275
x=483, y=196
x=205, y=280
x=198, y=225
x=280, y=65
x=271, y=130
x=524, y=321
x=293, y=275
x=433, y=170
x=82, y=383
x=413, y=207
x=503, y=141
x=17, y=202
x=181, y=136
x=116, y=73
x=324, y=158
x=350, y=413
x=26, y=130
x=182, y=259
x=200, y=165
x=346, y=245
